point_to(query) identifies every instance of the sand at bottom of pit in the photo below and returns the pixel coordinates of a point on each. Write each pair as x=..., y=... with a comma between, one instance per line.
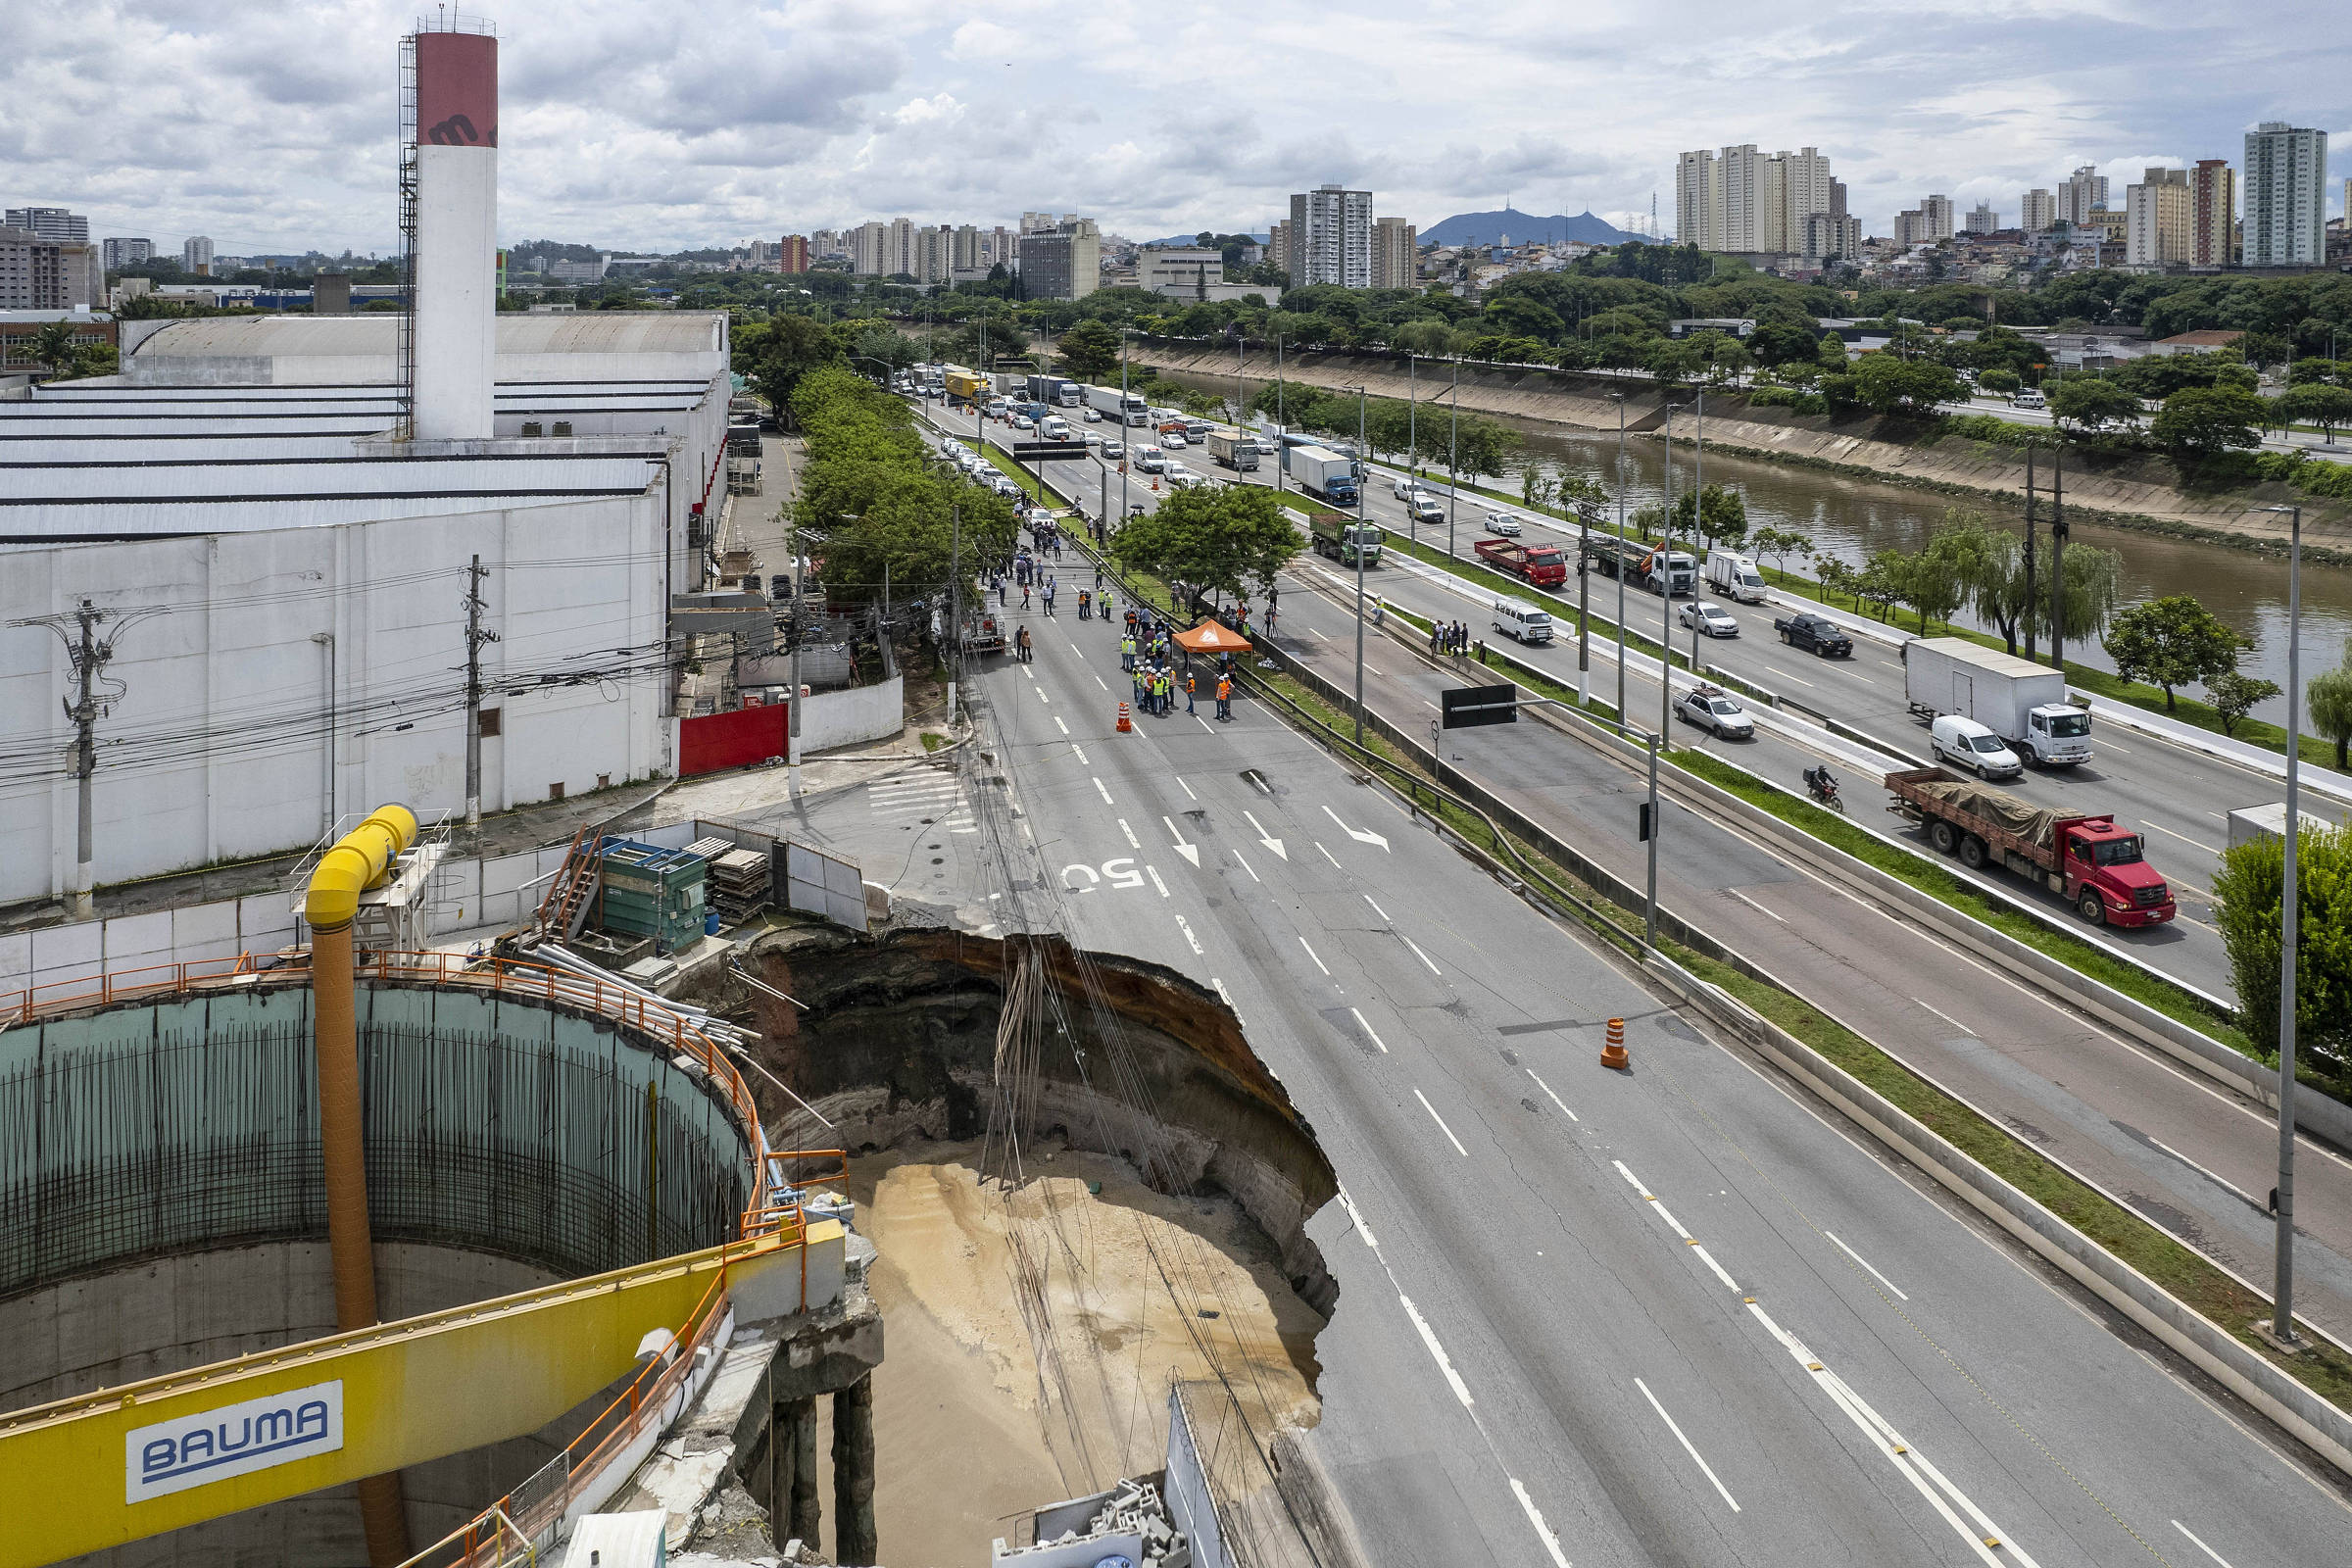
x=982, y=1410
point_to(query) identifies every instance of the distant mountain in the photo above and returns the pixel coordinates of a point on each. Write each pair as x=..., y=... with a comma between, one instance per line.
x=1194, y=238
x=1469, y=228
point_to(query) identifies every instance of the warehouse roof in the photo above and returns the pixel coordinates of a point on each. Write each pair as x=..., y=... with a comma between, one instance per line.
x=377, y=332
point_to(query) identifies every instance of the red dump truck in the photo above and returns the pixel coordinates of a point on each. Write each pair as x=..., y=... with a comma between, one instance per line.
x=1542, y=565
x=2098, y=866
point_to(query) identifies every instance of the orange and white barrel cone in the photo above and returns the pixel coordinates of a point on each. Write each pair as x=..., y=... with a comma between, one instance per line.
x=1127, y=727
x=1612, y=1054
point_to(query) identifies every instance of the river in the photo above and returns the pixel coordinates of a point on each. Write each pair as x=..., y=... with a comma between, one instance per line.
x=1851, y=517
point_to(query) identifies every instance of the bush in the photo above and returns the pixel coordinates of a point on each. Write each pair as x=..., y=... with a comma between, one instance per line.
x=1992, y=427
x=1771, y=397
x=1810, y=403
x=2247, y=898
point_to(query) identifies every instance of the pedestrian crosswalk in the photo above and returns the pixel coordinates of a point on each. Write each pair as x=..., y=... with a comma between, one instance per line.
x=936, y=798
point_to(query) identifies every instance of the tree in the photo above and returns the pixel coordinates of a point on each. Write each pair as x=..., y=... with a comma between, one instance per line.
x=1886, y=384
x=54, y=346
x=1219, y=538
x=1781, y=544
x=1999, y=379
x=2088, y=402
x=1721, y=516
x=2248, y=898
x=1990, y=564
x=1837, y=576
x=2198, y=422
x=1830, y=352
x=2318, y=404
x=2172, y=642
x=2328, y=697
x=795, y=346
x=2233, y=695
x=1930, y=582
x=1781, y=340
x=1089, y=350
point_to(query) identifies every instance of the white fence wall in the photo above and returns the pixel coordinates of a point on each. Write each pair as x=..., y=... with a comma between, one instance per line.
x=859, y=714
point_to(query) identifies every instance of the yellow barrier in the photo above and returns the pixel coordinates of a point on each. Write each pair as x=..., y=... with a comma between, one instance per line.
x=138, y=1460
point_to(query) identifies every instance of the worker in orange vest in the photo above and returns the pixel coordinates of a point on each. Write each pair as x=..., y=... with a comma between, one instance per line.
x=1225, y=698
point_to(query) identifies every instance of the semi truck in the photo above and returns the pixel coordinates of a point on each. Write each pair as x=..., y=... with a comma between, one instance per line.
x=1321, y=473
x=968, y=386
x=1642, y=563
x=1127, y=408
x=1060, y=391
x=2095, y=864
x=1339, y=536
x=1233, y=450
x=2023, y=704
x=1540, y=565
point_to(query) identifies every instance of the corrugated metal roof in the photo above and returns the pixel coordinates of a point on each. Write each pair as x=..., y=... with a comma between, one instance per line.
x=374, y=333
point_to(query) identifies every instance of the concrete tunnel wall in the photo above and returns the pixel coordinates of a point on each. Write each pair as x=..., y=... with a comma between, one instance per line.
x=160, y=1202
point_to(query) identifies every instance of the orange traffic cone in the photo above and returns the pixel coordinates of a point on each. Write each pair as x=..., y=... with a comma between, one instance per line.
x=1612, y=1055
x=1127, y=727
x=1155, y=484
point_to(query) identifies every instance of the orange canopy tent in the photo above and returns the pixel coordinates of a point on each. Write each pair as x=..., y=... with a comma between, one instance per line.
x=1212, y=637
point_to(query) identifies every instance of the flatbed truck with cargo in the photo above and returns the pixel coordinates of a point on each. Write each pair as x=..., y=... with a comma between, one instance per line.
x=2095, y=864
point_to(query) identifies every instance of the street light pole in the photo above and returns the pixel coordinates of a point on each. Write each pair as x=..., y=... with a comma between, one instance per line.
x=1584, y=609
x=1666, y=588
x=1619, y=399
x=1699, y=517
x=1127, y=458
x=1281, y=459
x=2290, y=919
x=1453, y=455
x=1360, y=565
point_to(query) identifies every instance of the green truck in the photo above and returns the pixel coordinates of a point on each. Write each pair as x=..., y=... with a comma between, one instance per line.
x=1339, y=536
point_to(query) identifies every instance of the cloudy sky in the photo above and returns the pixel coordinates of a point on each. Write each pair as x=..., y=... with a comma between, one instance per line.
x=269, y=123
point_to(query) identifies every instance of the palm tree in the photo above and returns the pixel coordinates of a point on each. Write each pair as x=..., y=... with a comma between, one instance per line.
x=54, y=346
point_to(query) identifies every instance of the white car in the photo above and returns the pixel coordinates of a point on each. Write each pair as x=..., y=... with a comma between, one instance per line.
x=1022, y=421
x=1710, y=618
x=1172, y=439
x=1404, y=485
x=1114, y=449
x=1090, y=415
x=1710, y=707
x=1268, y=447
x=1503, y=523
x=1965, y=743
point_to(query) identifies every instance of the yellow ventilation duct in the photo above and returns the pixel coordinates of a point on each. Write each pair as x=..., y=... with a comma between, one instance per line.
x=359, y=860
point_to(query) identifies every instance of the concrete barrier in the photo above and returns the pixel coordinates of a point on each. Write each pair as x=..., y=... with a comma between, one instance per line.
x=2311, y=1419
x=859, y=714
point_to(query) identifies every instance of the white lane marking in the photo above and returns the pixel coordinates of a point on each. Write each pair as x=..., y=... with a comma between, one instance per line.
x=1326, y=639
x=1356, y=1218
x=1327, y=855
x=1556, y=1100
x=1187, y=788
x=1041, y=695
x=1360, y=835
x=1228, y=995
x=1865, y=1262
x=1435, y=708
x=1311, y=952
x=1946, y=1018
x=1551, y=1543
x=1441, y=1121
x=2183, y=837
x=1266, y=838
x=1429, y=1337
x=2200, y=1545
x=2107, y=745
x=1418, y=953
x=1864, y=679
x=1696, y=1458
x=1367, y=1028
x=1152, y=872
x=1032, y=674
x=1100, y=681
x=1204, y=723
x=1074, y=650
x=1191, y=851
x=1186, y=927
x=1105, y=791
x=2210, y=1175
x=1708, y=1258
x=1383, y=914
x=1782, y=674
x=1132, y=841
x=1247, y=867
x=1752, y=904
x=1065, y=729
x=1079, y=752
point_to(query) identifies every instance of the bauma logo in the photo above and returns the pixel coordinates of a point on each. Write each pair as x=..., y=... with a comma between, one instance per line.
x=194, y=1450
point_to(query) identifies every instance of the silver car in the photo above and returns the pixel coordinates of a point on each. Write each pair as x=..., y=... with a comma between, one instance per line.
x=1710, y=618
x=1712, y=709
x=1503, y=523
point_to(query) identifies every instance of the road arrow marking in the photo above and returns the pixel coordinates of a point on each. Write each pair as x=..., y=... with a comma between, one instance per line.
x=1191, y=851
x=1357, y=833
x=1266, y=838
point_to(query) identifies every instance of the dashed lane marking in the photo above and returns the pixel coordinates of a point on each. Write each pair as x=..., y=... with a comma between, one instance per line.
x=1447, y=1131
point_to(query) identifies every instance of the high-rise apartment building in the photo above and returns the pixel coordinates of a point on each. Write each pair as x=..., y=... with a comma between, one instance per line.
x=2038, y=211
x=2157, y=219
x=1061, y=262
x=1395, y=254
x=120, y=252
x=1983, y=220
x=52, y=223
x=791, y=254
x=1739, y=200
x=1911, y=227
x=48, y=275
x=2079, y=194
x=1278, y=247
x=1937, y=210
x=1828, y=235
x=2212, y=213
x=196, y=256
x=2287, y=196
x=1331, y=237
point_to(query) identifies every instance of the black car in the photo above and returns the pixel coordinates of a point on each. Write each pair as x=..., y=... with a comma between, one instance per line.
x=1817, y=632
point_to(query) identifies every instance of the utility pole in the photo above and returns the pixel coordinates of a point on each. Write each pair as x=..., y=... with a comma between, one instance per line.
x=1698, y=526
x=2058, y=561
x=2031, y=601
x=88, y=653
x=1619, y=399
x=1281, y=459
x=1454, y=454
x=2291, y=923
x=954, y=604
x=475, y=636
x=792, y=705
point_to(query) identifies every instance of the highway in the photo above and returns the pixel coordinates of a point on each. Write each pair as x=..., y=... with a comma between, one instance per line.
x=1670, y=1316
x=2184, y=1153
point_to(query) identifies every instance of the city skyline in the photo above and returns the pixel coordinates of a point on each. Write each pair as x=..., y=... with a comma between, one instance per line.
x=827, y=114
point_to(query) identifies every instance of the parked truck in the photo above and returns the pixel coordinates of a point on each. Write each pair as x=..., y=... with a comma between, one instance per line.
x=1339, y=536
x=1233, y=450
x=1125, y=408
x=1642, y=564
x=2097, y=866
x=2023, y=704
x=966, y=386
x=1540, y=565
x=1322, y=474
x=1056, y=390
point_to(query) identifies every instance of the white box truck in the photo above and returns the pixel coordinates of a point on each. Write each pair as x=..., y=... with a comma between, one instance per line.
x=2023, y=704
x=1734, y=577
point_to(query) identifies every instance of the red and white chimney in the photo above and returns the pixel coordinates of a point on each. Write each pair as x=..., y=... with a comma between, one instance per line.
x=456, y=343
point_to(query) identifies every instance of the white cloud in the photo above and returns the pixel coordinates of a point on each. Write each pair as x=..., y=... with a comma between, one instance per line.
x=268, y=126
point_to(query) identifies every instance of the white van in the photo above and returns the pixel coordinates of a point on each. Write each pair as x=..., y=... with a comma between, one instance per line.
x=2028, y=396
x=1055, y=429
x=1734, y=577
x=1521, y=621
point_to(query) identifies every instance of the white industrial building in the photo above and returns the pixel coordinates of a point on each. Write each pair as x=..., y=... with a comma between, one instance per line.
x=285, y=582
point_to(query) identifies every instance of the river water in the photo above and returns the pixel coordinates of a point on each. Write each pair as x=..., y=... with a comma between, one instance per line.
x=1851, y=517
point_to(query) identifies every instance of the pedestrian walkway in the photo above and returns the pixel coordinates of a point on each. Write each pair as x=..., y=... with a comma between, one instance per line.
x=927, y=796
